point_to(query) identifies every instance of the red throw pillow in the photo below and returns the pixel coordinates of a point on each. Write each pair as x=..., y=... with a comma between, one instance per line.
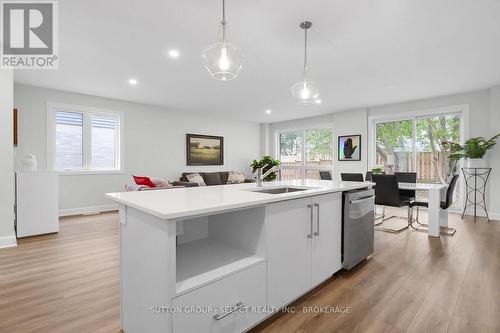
x=143, y=181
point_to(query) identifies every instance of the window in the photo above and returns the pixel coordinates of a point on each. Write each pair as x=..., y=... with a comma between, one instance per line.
x=83, y=140
x=415, y=145
x=304, y=153
x=69, y=140
x=103, y=142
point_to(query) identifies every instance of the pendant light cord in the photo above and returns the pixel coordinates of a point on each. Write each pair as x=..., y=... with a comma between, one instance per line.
x=223, y=21
x=305, y=50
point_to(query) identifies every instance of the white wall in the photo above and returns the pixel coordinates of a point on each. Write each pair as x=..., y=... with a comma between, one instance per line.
x=351, y=122
x=484, y=121
x=154, y=143
x=478, y=101
x=7, y=236
x=494, y=154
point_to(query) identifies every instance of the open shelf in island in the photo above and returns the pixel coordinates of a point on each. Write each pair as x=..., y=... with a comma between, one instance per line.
x=212, y=247
x=204, y=261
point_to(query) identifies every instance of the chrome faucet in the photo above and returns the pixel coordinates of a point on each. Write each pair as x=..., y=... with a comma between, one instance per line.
x=260, y=177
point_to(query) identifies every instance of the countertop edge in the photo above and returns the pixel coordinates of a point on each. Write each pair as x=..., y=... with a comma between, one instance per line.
x=223, y=208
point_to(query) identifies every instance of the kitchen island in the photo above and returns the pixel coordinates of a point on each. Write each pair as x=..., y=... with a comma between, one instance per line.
x=223, y=258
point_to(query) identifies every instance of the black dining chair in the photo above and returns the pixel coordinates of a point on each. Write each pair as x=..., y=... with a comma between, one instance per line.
x=325, y=175
x=407, y=177
x=351, y=177
x=368, y=176
x=387, y=194
x=444, y=205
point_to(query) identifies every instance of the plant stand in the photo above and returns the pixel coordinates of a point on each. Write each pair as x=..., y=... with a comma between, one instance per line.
x=475, y=183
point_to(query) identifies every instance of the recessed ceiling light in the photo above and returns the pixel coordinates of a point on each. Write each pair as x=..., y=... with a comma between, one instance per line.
x=174, y=54
x=268, y=111
x=318, y=101
x=132, y=82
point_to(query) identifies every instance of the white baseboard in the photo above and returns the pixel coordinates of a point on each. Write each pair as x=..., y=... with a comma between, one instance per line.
x=494, y=216
x=9, y=241
x=88, y=210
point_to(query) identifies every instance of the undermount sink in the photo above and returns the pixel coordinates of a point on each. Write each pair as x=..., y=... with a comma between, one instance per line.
x=280, y=190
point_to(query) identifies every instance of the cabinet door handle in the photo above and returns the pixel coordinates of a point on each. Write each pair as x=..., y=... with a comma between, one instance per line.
x=219, y=316
x=317, y=219
x=311, y=220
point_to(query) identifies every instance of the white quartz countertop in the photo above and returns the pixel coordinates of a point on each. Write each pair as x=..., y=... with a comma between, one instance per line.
x=179, y=203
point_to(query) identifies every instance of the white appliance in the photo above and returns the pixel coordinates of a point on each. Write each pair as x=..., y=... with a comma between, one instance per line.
x=37, y=203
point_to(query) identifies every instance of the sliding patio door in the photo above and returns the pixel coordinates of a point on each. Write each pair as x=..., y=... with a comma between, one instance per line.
x=394, y=145
x=414, y=144
x=432, y=162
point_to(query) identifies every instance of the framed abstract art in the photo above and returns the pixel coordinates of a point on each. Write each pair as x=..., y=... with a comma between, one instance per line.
x=349, y=148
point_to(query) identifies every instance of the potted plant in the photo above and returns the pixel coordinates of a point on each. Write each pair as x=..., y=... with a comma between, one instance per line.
x=473, y=150
x=267, y=162
x=377, y=169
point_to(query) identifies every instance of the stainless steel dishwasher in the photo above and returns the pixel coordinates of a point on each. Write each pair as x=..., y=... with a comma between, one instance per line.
x=357, y=226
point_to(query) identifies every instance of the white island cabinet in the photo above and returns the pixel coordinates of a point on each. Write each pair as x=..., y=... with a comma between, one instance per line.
x=224, y=258
x=304, y=245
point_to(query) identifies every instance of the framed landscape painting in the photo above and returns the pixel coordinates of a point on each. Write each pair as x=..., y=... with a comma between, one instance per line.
x=349, y=148
x=204, y=149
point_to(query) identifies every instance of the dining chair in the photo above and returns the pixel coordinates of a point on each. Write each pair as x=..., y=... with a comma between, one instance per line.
x=351, y=177
x=407, y=177
x=387, y=194
x=325, y=175
x=444, y=205
x=368, y=176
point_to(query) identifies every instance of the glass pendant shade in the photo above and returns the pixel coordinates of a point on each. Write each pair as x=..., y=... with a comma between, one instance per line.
x=223, y=60
x=306, y=92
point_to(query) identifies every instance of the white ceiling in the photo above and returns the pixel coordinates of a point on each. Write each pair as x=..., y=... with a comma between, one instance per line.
x=362, y=52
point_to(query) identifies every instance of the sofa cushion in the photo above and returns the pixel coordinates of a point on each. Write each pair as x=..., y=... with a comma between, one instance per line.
x=223, y=176
x=143, y=181
x=212, y=178
x=183, y=176
x=196, y=178
x=235, y=178
x=160, y=182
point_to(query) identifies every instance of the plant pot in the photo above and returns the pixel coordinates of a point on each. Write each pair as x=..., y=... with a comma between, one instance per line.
x=476, y=163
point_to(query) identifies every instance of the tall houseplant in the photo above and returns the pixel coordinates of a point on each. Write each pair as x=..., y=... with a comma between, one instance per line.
x=473, y=150
x=267, y=162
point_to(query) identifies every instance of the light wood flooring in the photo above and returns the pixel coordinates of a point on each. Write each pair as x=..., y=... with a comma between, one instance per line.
x=69, y=282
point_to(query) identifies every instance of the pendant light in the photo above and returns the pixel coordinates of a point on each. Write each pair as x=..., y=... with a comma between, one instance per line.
x=223, y=60
x=305, y=91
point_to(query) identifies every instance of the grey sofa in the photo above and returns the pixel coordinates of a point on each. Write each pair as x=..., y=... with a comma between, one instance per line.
x=210, y=178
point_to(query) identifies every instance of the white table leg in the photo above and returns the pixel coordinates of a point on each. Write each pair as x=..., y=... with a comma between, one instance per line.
x=443, y=213
x=435, y=214
x=443, y=217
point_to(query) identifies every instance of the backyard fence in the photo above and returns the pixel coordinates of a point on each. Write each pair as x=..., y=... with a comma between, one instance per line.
x=426, y=172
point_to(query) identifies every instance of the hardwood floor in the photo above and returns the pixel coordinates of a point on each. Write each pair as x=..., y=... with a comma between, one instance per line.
x=65, y=282
x=69, y=282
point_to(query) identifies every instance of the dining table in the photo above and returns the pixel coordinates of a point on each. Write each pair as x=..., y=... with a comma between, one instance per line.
x=438, y=217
